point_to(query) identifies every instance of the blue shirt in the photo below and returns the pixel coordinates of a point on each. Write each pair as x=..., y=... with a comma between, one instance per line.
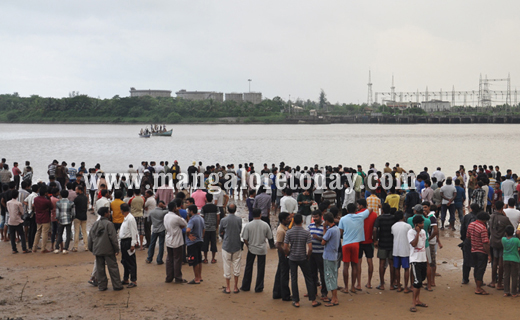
x=460, y=197
x=317, y=247
x=184, y=215
x=353, y=227
x=196, y=225
x=490, y=195
x=330, y=251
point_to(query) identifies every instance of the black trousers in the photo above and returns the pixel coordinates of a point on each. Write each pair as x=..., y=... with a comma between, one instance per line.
x=281, y=279
x=61, y=228
x=147, y=230
x=316, y=265
x=12, y=234
x=128, y=261
x=271, y=241
x=311, y=289
x=248, y=273
x=32, y=231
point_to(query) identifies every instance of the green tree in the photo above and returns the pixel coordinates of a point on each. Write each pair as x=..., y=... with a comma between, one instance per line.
x=323, y=100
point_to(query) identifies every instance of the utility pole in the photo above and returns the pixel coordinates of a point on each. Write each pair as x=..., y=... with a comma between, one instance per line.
x=249, y=84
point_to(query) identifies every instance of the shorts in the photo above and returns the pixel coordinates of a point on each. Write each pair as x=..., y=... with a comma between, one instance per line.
x=401, y=262
x=368, y=249
x=428, y=255
x=480, y=261
x=419, y=273
x=384, y=254
x=140, y=225
x=194, y=254
x=210, y=236
x=351, y=252
x=331, y=274
x=498, y=253
x=433, y=255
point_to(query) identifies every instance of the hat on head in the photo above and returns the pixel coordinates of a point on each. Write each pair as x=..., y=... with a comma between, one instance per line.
x=146, y=170
x=175, y=161
x=418, y=208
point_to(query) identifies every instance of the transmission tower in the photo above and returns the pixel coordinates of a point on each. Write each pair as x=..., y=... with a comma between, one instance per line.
x=392, y=89
x=369, y=98
x=485, y=93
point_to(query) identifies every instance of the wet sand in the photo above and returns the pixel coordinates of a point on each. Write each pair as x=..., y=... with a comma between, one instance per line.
x=54, y=286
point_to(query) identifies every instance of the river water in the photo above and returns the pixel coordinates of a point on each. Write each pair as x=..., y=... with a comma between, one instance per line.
x=412, y=146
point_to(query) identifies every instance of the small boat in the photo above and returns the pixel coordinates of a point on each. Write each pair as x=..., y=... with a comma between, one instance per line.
x=163, y=134
x=144, y=135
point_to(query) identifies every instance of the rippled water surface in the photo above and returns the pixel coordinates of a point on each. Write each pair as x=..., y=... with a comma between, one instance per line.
x=412, y=146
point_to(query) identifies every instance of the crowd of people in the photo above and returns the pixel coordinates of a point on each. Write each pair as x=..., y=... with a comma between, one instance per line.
x=324, y=217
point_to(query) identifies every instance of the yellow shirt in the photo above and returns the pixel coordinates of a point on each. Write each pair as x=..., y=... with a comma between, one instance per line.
x=393, y=200
x=117, y=216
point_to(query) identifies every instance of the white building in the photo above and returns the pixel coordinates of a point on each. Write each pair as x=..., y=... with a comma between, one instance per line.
x=234, y=97
x=254, y=97
x=435, y=105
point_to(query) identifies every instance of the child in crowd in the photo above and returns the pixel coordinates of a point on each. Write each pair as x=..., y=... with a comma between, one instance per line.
x=511, y=262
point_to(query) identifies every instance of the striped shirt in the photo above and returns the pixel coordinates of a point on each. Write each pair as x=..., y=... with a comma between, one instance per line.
x=478, y=234
x=298, y=238
x=316, y=244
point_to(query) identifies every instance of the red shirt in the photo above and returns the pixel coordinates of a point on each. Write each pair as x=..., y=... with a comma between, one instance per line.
x=42, y=209
x=478, y=234
x=369, y=227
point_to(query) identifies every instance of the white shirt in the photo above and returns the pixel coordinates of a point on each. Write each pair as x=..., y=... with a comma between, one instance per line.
x=513, y=215
x=508, y=187
x=350, y=197
x=288, y=204
x=30, y=201
x=149, y=205
x=101, y=202
x=439, y=175
x=417, y=253
x=129, y=229
x=401, y=245
x=174, y=224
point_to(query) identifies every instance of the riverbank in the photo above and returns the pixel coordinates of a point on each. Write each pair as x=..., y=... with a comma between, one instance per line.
x=51, y=286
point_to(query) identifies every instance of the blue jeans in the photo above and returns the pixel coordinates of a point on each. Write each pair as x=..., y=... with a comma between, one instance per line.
x=460, y=211
x=151, y=248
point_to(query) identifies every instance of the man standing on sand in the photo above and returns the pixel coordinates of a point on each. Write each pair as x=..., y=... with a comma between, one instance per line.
x=80, y=219
x=230, y=228
x=136, y=204
x=352, y=228
x=418, y=260
x=255, y=234
x=331, y=241
x=156, y=217
x=128, y=235
x=281, y=279
x=173, y=224
x=467, y=263
x=367, y=247
x=401, y=251
x=103, y=244
x=478, y=235
x=194, y=242
x=298, y=246
x=384, y=242
x=42, y=210
x=316, y=261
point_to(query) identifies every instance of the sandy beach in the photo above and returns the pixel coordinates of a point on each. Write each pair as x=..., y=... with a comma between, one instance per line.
x=54, y=286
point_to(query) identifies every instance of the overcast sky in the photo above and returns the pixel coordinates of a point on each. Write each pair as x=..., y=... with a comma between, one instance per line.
x=296, y=48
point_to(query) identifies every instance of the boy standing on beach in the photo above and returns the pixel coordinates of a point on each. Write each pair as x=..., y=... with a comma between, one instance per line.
x=418, y=261
x=511, y=262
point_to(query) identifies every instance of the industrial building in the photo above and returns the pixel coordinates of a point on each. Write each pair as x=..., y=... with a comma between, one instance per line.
x=237, y=97
x=254, y=97
x=435, y=105
x=200, y=95
x=401, y=105
x=150, y=92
